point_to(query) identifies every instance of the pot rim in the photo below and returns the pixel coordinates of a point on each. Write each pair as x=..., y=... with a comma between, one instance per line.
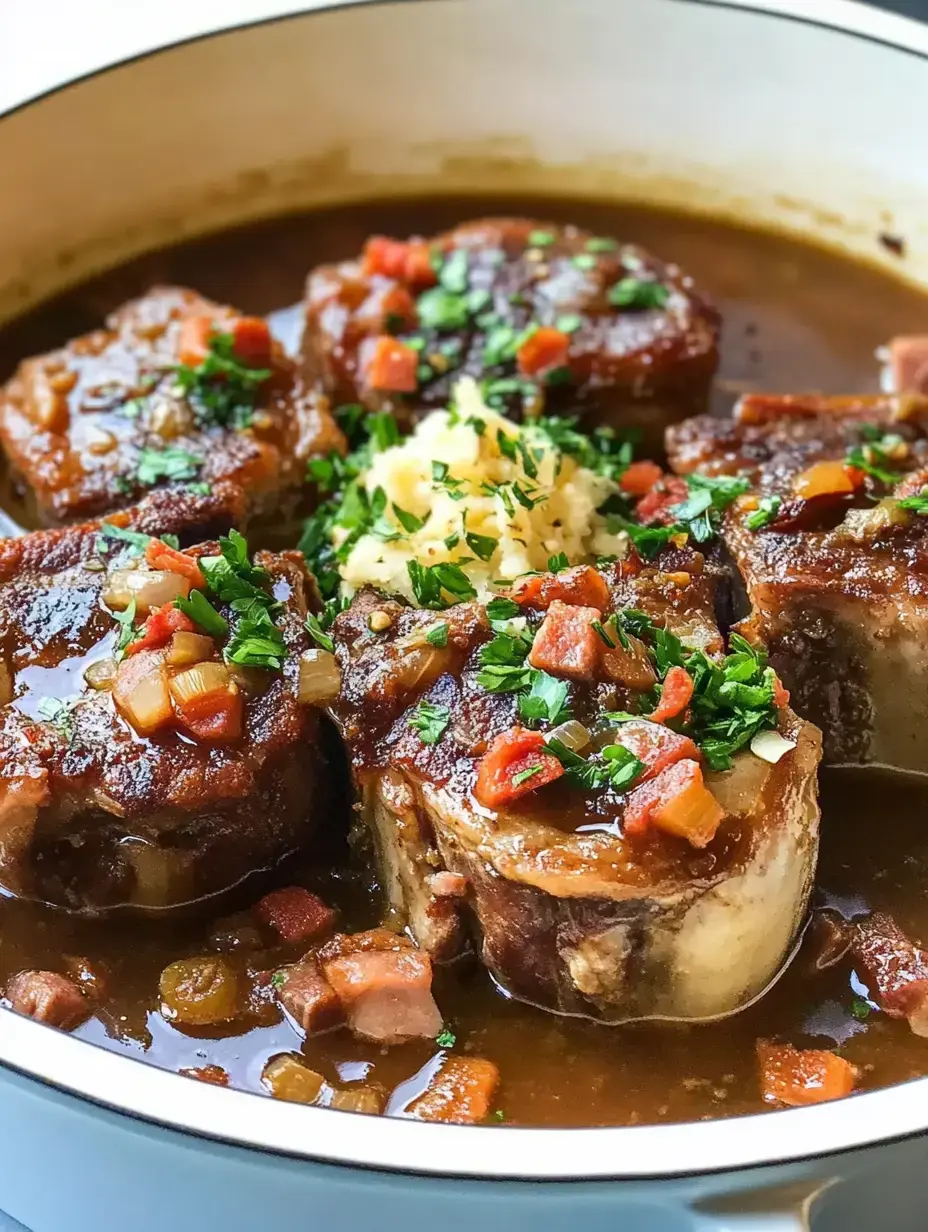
x=144, y=1093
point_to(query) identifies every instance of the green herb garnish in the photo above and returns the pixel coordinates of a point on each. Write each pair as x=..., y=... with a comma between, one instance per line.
x=221, y=389
x=767, y=509
x=638, y=293
x=169, y=463
x=202, y=613
x=430, y=721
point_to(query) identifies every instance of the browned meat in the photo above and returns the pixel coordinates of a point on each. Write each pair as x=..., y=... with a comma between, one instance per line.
x=139, y=762
x=621, y=337
x=377, y=983
x=460, y=1091
x=93, y=426
x=834, y=566
x=895, y=968
x=309, y=998
x=384, y=984
x=48, y=997
x=584, y=901
x=295, y=914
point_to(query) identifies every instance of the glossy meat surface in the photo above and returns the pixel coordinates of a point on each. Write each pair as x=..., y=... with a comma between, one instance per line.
x=639, y=364
x=837, y=584
x=571, y=912
x=94, y=815
x=94, y=425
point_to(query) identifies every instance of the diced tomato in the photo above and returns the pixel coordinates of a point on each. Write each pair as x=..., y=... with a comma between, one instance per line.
x=567, y=644
x=827, y=479
x=251, y=341
x=417, y=268
x=392, y=366
x=193, y=341
x=640, y=478
x=581, y=585
x=511, y=756
x=160, y=627
x=675, y=696
x=798, y=1077
x=295, y=914
x=656, y=505
x=676, y=801
x=780, y=694
x=657, y=746
x=216, y=715
x=543, y=350
x=384, y=256
x=160, y=556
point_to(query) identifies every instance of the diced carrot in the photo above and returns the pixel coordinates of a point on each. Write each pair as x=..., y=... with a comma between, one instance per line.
x=193, y=341
x=567, y=644
x=461, y=1091
x=295, y=914
x=160, y=627
x=392, y=366
x=675, y=697
x=216, y=715
x=515, y=764
x=656, y=505
x=780, y=694
x=160, y=556
x=385, y=256
x=251, y=341
x=676, y=801
x=543, y=350
x=397, y=302
x=581, y=585
x=798, y=1077
x=640, y=478
x=657, y=746
x=417, y=268
x=827, y=479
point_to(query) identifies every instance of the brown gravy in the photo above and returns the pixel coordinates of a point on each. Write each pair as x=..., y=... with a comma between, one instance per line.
x=795, y=319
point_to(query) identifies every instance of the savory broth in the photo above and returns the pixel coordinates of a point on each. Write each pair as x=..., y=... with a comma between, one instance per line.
x=795, y=319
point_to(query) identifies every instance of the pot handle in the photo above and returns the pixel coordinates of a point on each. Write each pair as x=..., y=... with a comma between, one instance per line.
x=781, y=1208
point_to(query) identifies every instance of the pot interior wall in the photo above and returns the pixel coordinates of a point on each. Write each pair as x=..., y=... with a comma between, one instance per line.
x=664, y=100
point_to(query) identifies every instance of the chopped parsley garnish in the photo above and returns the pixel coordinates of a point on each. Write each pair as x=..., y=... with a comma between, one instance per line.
x=860, y=1009
x=603, y=450
x=221, y=389
x=708, y=498
x=430, y=584
x=638, y=293
x=767, y=509
x=503, y=609
x=202, y=613
x=569, y=323
x=446, y=1038
x=585, y=260
x=255, y=640
x=878, y=455
x=430, y=721
x=452, y=275
x=614, y=767
x=443, y=311
x=318, y=634
x=438, y=635
x=522, y=776
x=279, y=978
x=540, y=239
x=917, y=503
x=546, y=700
x=646, y=540
x=59, y=714
x=169, y=463
x=409, y=522
x=558, y=562
x=133, y=538
x=601, y=243
x=128, y=631
x=482, y=546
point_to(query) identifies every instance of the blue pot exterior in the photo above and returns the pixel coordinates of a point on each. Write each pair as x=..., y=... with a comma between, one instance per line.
x=72, y=1166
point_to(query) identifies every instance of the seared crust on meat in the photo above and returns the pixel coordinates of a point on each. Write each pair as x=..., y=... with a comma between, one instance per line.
x=571, y=913
x=75, y=421
x=837, y=585
x=93, y=815
x=632, y=366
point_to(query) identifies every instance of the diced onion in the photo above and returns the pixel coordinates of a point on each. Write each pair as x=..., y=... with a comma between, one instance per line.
x=100, y=675
x=572, y=735
x=320, y=677
x=170, y=418
x=186, y=648
x=148, y=587
x=141, y=692
x=771, y=746
x=286, y=1077
x=359, y=1099
x=6, y=683
x=199, y=680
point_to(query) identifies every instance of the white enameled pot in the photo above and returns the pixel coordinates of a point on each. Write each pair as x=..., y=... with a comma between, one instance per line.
x=809, y=115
